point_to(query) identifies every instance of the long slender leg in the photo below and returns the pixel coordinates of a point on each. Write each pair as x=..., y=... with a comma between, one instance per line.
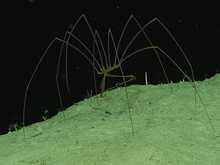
x=132, y=77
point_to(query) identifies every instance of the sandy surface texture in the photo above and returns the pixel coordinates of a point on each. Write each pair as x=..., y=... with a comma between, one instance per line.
x=168, y=130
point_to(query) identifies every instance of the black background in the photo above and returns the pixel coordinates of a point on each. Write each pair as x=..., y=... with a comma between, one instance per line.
x=28, y=27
